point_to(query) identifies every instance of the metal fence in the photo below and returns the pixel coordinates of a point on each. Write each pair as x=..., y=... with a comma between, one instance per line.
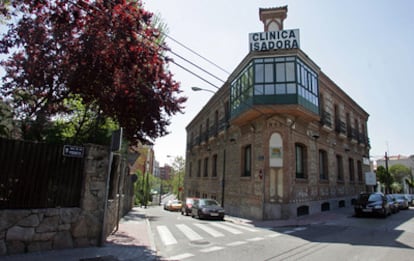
x=38, y=175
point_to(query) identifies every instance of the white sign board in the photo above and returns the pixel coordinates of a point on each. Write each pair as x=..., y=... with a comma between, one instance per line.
x=370, y=179
x=265, y=41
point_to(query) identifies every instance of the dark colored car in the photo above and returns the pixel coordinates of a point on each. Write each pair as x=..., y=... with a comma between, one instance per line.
x=186, y=209
x=394, y=206
x=207, y=208
x=372, y=203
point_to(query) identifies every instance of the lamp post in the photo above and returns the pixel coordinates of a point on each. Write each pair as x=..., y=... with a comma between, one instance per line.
x=223, y=180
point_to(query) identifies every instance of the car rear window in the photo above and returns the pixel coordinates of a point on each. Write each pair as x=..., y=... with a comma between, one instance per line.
x=374, y=197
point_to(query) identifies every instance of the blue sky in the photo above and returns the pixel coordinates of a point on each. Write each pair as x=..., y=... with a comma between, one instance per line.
x=363, y=46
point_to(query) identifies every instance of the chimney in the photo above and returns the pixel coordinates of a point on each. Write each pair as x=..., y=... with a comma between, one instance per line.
x=272, y=18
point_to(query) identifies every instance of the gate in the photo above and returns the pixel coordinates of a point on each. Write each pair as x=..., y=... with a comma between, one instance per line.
x=37, y=175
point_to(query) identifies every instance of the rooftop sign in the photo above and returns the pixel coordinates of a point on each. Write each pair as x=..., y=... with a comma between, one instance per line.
x=265, y=41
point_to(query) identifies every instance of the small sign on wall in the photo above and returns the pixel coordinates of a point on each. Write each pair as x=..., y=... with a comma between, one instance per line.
x=276, y=152
x=370, y=179
x=73, y=151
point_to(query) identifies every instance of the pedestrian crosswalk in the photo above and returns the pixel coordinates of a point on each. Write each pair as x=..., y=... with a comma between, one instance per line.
x=204, y=232
x=200, y=231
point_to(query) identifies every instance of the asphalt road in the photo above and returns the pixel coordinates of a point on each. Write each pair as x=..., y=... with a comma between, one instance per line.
x=180, y=237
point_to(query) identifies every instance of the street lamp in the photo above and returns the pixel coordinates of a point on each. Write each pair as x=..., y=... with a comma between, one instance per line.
x=196, y=89
x=223, y=180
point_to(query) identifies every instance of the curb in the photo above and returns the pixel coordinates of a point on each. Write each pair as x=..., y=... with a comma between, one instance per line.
x=150, y=236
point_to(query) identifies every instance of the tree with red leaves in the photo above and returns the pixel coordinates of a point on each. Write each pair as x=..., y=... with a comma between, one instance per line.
x=107, y=52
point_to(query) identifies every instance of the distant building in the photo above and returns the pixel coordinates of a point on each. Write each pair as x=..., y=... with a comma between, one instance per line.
x=402, y=160
x=279, y=139
x=156, y=171
x=165, y=172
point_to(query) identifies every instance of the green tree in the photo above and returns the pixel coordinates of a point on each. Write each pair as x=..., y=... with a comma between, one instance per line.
x=385, y=178
x=81, y=123
x=109, y=53
x=396, y=187
x=177, y=181
x=410, y=182
x=400, y=172
x=6, y=120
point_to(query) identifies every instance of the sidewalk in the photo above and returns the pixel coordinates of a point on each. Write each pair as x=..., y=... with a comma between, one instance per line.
x=334, y=215
x=133, y=240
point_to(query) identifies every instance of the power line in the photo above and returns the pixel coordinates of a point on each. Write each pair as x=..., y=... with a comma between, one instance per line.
x=194, y=52
x=193, y=73
x=195, y=65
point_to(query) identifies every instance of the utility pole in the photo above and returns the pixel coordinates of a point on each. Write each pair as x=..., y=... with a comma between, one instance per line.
x=387, y=173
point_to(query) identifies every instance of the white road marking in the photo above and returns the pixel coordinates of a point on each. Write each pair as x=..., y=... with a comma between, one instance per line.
x=188, y=232
x=255, y=239
x=209, y=230
x=274, y=235
x=299, y=228
x=244, y=227
x=166, y=236
x=227, y=228
x=181, y=257
x=236, y=243
x=211, y=249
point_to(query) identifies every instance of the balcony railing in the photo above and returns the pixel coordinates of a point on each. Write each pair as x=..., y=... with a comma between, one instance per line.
x=340, y=127
x=352, y=133
x=326, y=119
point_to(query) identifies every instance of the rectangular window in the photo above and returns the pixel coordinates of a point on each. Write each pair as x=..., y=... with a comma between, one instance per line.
x=205, y=167
x=359, y=169
x=214, y=166
x=199, y=168
x=290, y=72
x=269, y=72
x=190, y=173
x=280, y=88
x=247, y=161
x=258, y=89
x=300, y=153
x=323, y=165
x=340, y=168
x=259, y=73
x=351, y=169
x=280, y=72
x=291, y=88
x=269, y=89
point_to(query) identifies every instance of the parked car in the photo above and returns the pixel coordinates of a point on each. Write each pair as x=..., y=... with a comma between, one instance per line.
x=372, y=203
x=186, y=209
x=402, y=200
x=410, y=199
x=394, y=206
x=207, y=208
x=167, y=204
x=175, y=205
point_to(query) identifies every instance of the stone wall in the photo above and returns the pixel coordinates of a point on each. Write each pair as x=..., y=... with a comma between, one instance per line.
x=32, y=230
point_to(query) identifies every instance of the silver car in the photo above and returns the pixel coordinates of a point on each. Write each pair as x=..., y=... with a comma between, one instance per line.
x=402, y=200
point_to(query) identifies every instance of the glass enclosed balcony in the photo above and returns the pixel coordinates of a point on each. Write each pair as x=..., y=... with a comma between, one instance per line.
x=267, y=83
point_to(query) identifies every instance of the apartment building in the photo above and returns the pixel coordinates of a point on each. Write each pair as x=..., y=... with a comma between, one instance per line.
x=279, y=139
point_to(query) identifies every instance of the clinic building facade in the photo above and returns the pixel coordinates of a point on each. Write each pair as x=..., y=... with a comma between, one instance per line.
x=279, y=139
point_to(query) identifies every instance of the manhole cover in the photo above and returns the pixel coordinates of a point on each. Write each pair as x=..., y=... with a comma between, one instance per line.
x=200, y=242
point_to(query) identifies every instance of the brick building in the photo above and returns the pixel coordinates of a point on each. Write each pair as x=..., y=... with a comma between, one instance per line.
x=279, y=139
